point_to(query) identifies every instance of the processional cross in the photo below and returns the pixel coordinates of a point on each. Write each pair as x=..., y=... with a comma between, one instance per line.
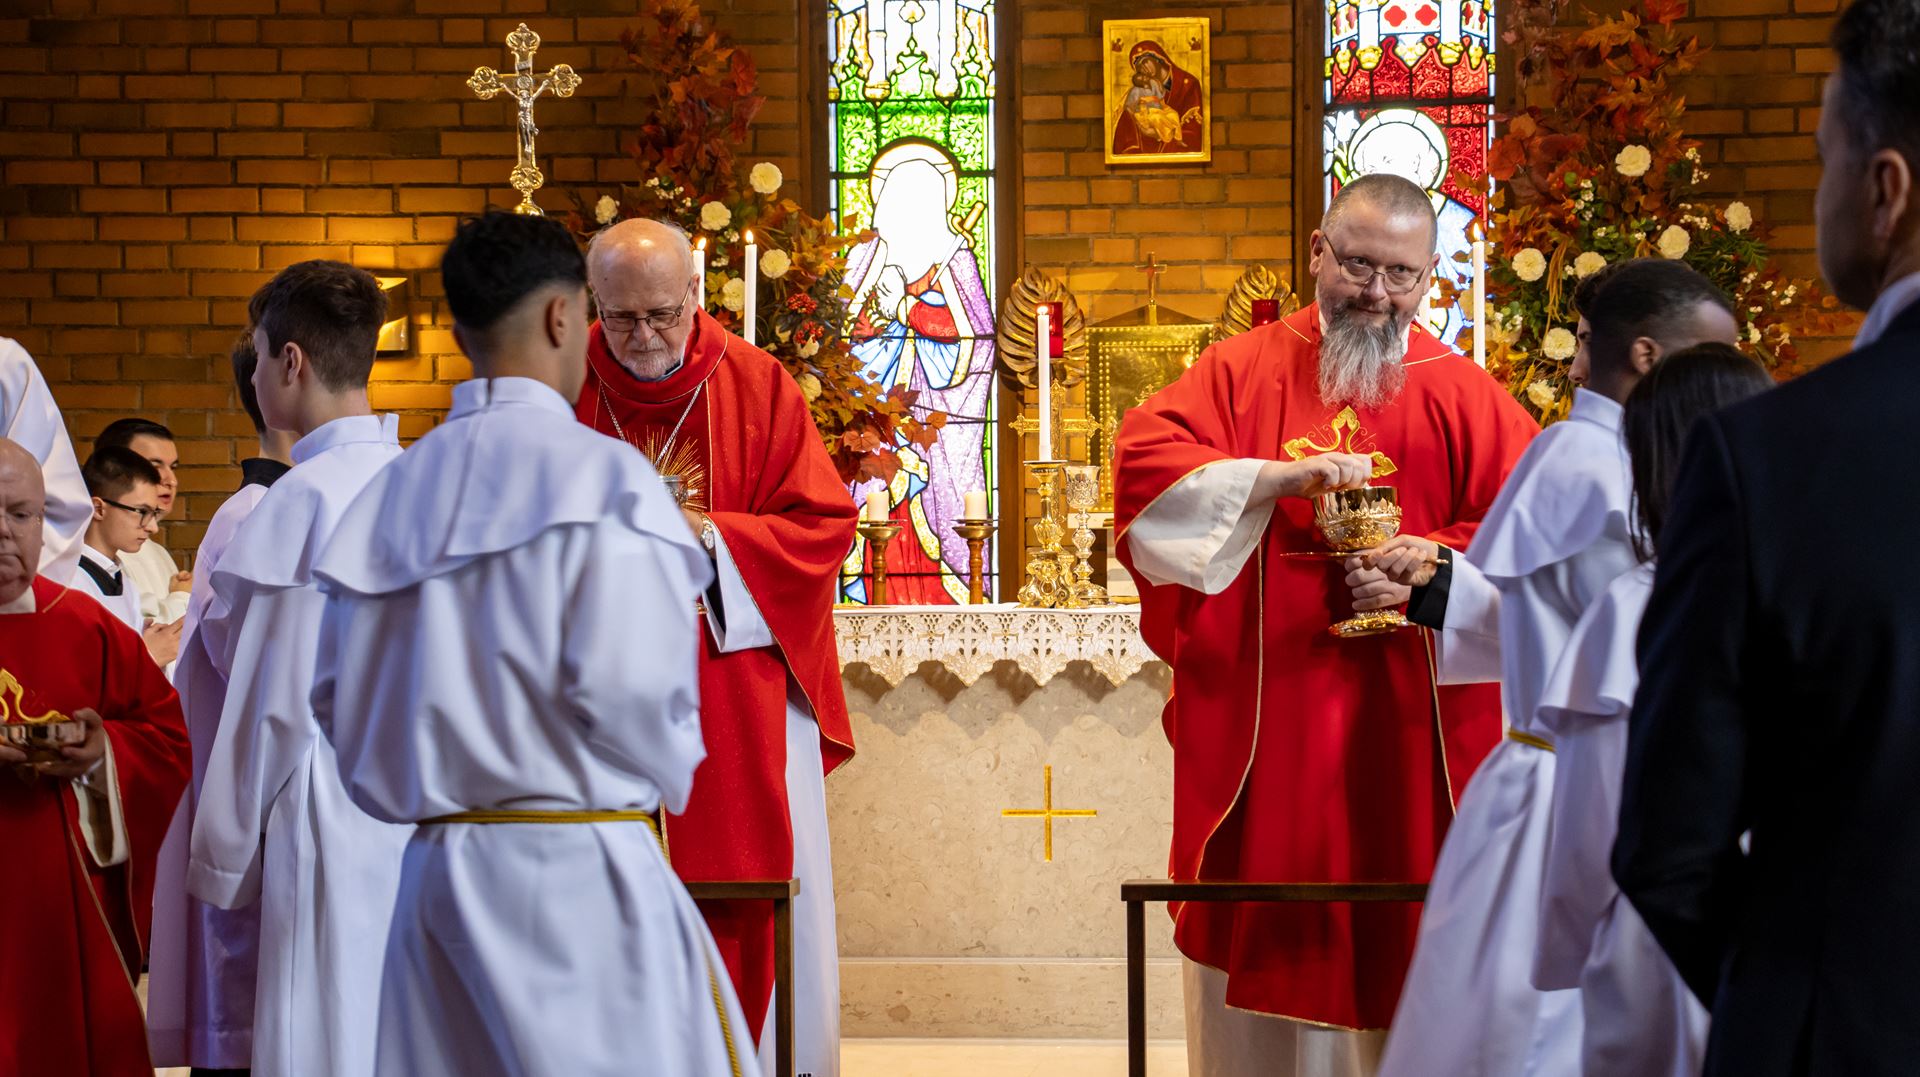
x=524, y=87
x=1047, y=812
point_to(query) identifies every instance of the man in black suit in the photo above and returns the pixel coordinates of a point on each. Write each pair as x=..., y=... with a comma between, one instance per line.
x=1780, y=666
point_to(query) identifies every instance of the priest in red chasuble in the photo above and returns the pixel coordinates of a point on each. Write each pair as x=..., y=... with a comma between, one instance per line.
x=726, y=425
x=1300, y=757
x=78, y=833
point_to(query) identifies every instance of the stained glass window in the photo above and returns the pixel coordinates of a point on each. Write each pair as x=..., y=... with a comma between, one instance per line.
x=1410, y=91
x=910, y=107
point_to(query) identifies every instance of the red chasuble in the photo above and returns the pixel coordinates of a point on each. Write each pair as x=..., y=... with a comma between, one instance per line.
x=77, y=932
x=752, y=460
x=1299, y=757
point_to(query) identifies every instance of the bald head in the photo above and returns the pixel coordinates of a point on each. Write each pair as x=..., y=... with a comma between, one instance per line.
x=23, y=504
x=641, y=270
x=1393, y=197
x=638, y=246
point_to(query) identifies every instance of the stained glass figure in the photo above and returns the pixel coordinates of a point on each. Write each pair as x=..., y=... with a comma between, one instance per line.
x=910, y=101
x=1410, y=91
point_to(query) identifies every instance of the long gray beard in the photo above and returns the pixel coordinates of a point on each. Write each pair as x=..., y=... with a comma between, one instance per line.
x=1361, y=364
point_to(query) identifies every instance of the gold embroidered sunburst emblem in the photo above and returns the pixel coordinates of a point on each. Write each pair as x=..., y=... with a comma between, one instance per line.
x=680, y=465
x=1342, y=434
x=13, y=707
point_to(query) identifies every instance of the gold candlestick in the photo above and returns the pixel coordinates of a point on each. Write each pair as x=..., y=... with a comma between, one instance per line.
x=976, y=532
x=877, y=533
x=1083, y=493
x=1046, y=586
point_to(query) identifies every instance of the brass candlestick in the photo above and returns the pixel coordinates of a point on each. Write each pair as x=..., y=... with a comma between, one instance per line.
x=1046, y=586
x=1083, y=493
x=877, y=533
x=1356, y=520
x=976, y=532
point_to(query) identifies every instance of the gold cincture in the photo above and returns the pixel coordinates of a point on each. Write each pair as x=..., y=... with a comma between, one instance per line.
x=525, y=87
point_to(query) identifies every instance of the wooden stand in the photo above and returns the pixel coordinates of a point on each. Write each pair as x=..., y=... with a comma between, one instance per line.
x=976, y=532
x=781, y=892
x=878, y=534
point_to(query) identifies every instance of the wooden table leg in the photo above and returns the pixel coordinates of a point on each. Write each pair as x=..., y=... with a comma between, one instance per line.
x=783, y=986
x=1136, y=989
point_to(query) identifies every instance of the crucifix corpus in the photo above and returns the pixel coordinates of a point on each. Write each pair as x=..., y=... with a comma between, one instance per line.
x=524, y=87
x=1152, y=269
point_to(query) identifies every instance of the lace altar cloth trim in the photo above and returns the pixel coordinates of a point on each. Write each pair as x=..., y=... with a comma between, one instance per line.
x=893, y=641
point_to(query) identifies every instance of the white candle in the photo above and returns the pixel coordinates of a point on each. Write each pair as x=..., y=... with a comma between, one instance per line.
x=1043, y=348
x=976, y=505
x=700, y=250
x=1480, y=302
x=753, y=284
x=877, y=506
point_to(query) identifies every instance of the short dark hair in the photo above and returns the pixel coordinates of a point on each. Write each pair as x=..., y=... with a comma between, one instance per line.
x=332, y=310
x=1395, y=194
x=1645, y=297
x=120, y=433
x=499, y=258
x=1877, y=43
x=245, y=360
x=1587, y=292
x=1681, y=387
x=114, y=470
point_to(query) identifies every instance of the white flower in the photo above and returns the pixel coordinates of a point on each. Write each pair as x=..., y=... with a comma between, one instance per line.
x=775, y=264
x=809, y=385
x=765, y=177
x=1673, y=242
x=809, y=349
x=605, y=210
x=1739, y=217
x=1588, y=264
x=1753, y=333
x=734, y=295
x=1530, y=264
x=715, y=216
x=1542, y=394
x=1633, y=161
x=1559, y=344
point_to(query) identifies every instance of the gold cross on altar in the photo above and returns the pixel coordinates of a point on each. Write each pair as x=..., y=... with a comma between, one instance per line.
x=1047, y=812
x=524, y=87
x=1152, y=269
x=1062, y=427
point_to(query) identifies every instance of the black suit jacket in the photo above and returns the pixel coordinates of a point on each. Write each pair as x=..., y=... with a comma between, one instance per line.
x=1780, y=695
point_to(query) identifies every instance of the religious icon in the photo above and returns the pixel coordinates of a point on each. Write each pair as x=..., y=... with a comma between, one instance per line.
x=1157, y=87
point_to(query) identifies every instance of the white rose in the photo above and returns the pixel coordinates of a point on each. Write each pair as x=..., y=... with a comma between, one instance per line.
x=1541, y=394
x=1739, y=217
x=1633, y=161
x=734, y=295
x=1559, y=344
x=605, y=210
x=1588, y=264
x=1530, y=264
x=1753, y=333
x=765, y=177
x=775, y=264
x=809, y=385
x=715, y=216
x=1674, y=242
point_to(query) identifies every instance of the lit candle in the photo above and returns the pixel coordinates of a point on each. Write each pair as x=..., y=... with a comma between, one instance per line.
x=753, y=284
x=1043, y=347
x=976, y=505
x=876, y=506
x=700, y=250
x=1480, y=302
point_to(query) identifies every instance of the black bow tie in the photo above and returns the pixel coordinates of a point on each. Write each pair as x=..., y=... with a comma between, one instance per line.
x=110, y=583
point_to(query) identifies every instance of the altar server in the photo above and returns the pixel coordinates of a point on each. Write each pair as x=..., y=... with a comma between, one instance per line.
x=30, y=419
x=509, y=660
x=271, y=823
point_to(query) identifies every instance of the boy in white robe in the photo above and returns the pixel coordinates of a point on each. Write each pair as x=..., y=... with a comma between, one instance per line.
x=509, y=661
x=272, y=823
x=1554, y=539
x=1640, y=1017
x=30, y=419
x=124, y=488
x=164, y=587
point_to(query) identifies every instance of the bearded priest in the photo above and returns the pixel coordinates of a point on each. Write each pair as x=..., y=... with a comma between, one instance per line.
x=1298, y=756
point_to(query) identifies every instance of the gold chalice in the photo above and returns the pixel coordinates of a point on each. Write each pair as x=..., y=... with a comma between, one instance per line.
x=1356, y=520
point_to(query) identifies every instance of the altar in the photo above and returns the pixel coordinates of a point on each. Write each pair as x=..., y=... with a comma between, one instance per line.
x=1011, y=773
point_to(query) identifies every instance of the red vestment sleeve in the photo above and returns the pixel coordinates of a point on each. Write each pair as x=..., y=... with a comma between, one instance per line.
x=1500, y=430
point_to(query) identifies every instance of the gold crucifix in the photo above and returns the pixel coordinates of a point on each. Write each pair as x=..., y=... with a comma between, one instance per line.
x=1047, y=812
x=524, y=87
x=1152, y=269
x=1063, y=426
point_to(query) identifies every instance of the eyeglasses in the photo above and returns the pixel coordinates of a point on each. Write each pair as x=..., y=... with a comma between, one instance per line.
x=147, y=516
x=1398, y=279
x=624, y=321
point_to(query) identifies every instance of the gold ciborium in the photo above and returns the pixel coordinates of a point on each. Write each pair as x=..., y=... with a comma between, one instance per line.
x=1351, y=521
x=42, y=741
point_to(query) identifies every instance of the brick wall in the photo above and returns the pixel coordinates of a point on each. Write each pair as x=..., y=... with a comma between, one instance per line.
x=163, y=158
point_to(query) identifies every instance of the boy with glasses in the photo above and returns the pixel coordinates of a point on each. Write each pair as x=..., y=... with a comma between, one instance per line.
x=126, y=513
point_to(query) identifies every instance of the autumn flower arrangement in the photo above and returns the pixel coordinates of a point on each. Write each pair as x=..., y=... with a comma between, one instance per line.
x=702, y=93
x=1594, y=167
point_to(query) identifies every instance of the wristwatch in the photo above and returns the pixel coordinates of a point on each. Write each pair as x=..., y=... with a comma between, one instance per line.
x=709, y=535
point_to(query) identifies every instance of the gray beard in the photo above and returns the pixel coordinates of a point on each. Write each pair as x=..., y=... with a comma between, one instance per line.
x=1361, y=364
x=656, y=366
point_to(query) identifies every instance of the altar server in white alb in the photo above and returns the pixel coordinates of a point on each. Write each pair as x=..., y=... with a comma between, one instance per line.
x=30, y=419
x=509, y=661
x=1555, y=538
x=272, y=823
x=1641, y=1019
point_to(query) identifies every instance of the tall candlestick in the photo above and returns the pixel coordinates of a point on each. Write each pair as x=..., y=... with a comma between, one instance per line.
x=1043, y=348
x=1480, y=301
x=753, y=285
x=700, y=251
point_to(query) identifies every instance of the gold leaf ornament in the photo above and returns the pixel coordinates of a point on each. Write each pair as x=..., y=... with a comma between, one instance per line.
x=1019, y=358
x=1258, y=282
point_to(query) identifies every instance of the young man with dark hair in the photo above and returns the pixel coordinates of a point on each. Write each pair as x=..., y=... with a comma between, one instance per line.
x=271, y=823
x=164, y=588
x=509, y=642
x=126, y=513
